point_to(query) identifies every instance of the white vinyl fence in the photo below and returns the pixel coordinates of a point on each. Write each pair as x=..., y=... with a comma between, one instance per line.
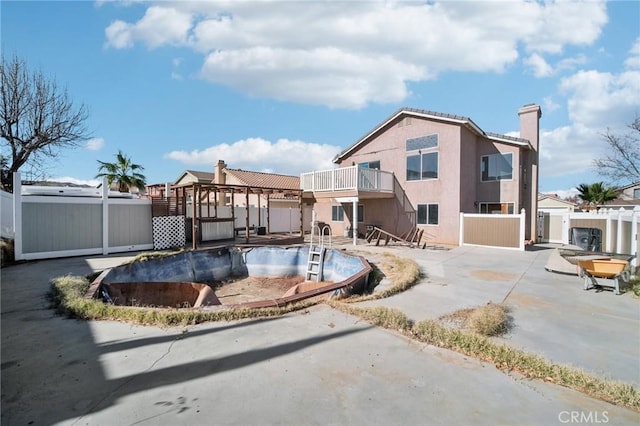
x=619, y=228
x=6, y=214
x=53, y=226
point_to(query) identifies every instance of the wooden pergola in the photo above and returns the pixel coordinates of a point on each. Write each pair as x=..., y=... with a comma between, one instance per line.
x=201, y=193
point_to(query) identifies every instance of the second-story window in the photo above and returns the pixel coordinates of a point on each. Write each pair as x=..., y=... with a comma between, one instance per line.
x=422, y=158
x=370, y=165
x=496, y=167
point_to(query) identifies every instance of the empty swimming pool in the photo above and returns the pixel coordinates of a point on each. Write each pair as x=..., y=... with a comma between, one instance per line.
x=198, y=279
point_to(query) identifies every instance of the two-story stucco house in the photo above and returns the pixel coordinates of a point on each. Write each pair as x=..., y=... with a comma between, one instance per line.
x=423, y=168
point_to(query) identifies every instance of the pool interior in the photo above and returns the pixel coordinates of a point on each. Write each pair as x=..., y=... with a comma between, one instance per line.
x=189, y=279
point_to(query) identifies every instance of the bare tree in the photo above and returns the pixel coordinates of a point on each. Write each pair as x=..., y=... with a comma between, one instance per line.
x=37, y=119
x=622, y=161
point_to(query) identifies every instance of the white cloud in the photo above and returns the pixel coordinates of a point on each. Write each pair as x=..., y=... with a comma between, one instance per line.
x=286, y=156
x=596, y=101
x=350, y=54
x=564, y=193
x=540, y=67
x=311, y=75
x=95, y=144
x=160, y=25
x=176, y=76
x=119, y=35
x=633, y=62
x=549, y=104
x=69, y=179
x=565, y=22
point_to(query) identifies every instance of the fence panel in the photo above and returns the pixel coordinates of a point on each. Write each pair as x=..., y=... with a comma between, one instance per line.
x=130, y=224
x=60, y=227
x=6, y=214
x=501, y=230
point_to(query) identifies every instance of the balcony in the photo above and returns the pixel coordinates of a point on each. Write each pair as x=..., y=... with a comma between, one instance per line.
x=352, y=180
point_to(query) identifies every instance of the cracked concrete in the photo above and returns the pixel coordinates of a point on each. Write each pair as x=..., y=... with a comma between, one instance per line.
x=317, y=366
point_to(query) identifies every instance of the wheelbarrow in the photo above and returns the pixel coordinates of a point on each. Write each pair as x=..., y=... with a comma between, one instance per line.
x=604, y=272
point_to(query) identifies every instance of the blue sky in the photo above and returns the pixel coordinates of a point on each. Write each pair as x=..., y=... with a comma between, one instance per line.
x=284, y=86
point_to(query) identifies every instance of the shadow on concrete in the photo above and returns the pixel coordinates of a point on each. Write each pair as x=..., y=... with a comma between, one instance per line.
x=198, y=369
x=122, y=345
x=51, y=366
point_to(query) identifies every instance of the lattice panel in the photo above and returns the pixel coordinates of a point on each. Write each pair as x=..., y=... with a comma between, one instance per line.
x=168, y=232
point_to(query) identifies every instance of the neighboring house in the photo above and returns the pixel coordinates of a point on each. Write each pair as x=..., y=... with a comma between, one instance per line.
x=276, y=186
x=552, y=203
x=628, y=198
x=191, y=176
x=157, y=190
x=423, y=168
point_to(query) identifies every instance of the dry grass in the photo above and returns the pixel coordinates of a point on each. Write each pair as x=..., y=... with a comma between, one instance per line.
x=634, y=284
x=502, y=356
x=489, y=320
x=67, y=295
x=148, y=255
x=404, y=273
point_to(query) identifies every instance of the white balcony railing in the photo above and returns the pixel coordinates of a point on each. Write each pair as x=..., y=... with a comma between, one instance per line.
x=352, y=178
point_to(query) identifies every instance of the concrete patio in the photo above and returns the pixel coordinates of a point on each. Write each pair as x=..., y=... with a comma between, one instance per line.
x=318, y=366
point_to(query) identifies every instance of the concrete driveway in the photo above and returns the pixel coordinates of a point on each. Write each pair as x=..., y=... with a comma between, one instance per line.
x=318, y=366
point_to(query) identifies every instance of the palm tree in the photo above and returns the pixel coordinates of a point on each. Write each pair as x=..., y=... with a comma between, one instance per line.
x=596, y=194
x=123, y=172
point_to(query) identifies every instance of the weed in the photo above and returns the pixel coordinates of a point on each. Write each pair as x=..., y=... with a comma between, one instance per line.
x=144, y=256
x=404, y=273
x=502, y=356
x=489, y=320
x=634, y=284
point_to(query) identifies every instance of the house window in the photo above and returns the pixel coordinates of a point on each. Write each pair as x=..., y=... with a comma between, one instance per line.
x=496, y=167
x=427, y=214
x=337, y=213
x=370, y=165
x=422, y=166
x=350, y=212
x=636, y=194
x=422, y=142
x=496, y=208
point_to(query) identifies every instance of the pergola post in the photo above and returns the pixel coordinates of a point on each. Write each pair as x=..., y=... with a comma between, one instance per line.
x=194, y=229
x=247, y=215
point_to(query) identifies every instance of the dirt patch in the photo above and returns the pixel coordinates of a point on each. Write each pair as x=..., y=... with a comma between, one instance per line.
x=487, y=275
x=251, y=289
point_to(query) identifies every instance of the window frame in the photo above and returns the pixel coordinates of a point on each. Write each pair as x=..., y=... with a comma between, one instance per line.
x=367, y=164
x=497, y=178
x=422, y=153
x=428, y=209
x=510, y=205
x=337, y=213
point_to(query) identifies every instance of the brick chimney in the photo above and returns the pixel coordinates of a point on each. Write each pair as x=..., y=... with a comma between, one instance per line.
x=218, y=175
x=530, y=129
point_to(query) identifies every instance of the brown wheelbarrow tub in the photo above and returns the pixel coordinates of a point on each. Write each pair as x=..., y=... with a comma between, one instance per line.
x=594, y=271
